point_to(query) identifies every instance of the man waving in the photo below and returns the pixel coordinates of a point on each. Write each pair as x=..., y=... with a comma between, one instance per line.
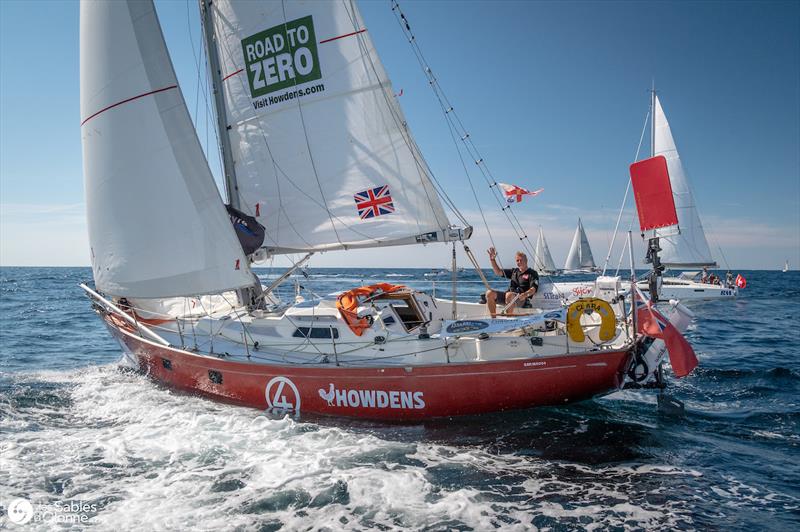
x=524, y=283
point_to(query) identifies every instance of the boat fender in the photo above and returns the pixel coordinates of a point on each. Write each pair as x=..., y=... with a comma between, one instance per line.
x=590, y=305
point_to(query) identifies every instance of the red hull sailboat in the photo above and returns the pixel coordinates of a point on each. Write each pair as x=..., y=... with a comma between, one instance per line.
x=317, y=157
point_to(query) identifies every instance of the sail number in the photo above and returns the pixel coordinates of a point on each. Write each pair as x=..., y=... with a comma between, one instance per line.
x=282, y=56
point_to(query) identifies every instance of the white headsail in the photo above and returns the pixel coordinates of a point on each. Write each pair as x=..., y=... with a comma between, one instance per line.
x=323, y=156
x=157, y=225
x=689, y=248
x=580, y=254
x=542, y=259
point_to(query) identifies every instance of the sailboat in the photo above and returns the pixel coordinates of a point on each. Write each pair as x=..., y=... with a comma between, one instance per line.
x=542, y=259
x=317, y=157
x=785, y=266
x=579, y=258
x=687, y=248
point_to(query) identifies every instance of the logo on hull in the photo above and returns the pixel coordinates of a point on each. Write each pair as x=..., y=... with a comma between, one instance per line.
x=278, y=400
x=372, y=398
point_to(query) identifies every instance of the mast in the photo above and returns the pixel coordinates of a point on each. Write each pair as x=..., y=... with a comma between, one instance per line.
x=653, y=119
x=231, y=186
x=654, y=277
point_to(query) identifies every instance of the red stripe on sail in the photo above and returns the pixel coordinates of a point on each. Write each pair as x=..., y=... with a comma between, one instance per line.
x=231, y=75
x=343, y=36
x=128, y=100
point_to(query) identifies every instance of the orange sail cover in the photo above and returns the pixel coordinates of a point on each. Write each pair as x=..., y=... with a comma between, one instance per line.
x=653, y=193
x=347, y=303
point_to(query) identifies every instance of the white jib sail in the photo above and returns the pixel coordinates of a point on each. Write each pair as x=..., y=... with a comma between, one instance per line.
x=543, y=260
x=580, y=254
x=157, y=225
x=690, y=247
x=323, y=156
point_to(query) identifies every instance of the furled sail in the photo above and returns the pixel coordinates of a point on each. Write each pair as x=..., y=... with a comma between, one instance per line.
x=323, y=157
x=690, y=247
x=580, y=254
x=542, y=259
x=157, y=224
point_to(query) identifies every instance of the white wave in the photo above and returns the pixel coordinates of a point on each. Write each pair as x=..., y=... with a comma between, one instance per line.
x=153, y=459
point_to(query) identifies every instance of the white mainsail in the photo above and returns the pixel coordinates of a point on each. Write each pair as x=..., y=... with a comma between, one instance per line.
x=689, y=248
x=157, y=224
x=323, y=156
x=542, y=259
x=580, y=254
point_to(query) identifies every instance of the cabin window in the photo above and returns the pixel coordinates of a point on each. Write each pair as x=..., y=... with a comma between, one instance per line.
x=316, y=332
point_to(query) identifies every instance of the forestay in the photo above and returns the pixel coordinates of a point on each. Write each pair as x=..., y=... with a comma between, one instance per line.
x=689, y=248
x=323, y=157
x=157, y=225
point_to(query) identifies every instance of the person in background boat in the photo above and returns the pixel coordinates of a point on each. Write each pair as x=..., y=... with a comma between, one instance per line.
x=523, y=285
x=729, y=279
x=704, y=277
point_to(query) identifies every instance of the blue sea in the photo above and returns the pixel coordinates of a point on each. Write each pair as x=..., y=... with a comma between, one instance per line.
x=91, y=446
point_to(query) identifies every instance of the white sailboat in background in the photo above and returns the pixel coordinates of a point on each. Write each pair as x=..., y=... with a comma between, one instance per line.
x=786, y=266
x=317, y=151
x=689, y=248
x=579, y=258
x=542, y=259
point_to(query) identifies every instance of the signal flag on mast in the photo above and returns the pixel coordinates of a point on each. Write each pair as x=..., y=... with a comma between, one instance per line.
x=514, y=194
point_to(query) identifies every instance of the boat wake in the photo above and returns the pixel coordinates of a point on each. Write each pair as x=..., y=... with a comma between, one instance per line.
x=147, y=458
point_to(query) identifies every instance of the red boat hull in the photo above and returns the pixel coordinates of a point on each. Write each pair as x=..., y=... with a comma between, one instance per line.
x=384, y=393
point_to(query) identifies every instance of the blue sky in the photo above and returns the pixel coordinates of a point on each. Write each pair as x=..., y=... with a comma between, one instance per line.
x=554, y=95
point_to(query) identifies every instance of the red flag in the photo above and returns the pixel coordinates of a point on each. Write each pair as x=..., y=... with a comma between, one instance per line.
x=741, y=282
x=653, y=193
x=652, y=323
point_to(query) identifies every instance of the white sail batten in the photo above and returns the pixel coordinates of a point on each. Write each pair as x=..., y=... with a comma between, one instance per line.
x=157, y=224
x=690, y=247
x=542, y=259
x=323, y=157
x=580, y=254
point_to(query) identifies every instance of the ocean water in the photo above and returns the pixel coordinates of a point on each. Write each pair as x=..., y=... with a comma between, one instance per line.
x=91, y=446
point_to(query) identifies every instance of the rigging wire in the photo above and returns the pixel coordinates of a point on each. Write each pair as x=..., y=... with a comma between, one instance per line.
x=458, y=127
x=625, y=199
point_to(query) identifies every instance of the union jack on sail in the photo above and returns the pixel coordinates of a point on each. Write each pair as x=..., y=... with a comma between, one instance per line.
x=374, y=202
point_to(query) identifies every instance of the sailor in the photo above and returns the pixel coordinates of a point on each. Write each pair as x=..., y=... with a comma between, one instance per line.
x=523, y=285
x=704, y=277
x=729, y=279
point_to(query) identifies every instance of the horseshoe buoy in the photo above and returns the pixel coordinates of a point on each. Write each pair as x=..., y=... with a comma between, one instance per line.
x=591, y=305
